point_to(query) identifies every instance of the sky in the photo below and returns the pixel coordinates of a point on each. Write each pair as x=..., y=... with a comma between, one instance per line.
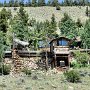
x=27, y=0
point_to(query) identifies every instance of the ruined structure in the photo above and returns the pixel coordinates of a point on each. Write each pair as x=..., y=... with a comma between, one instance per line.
x=19, y=57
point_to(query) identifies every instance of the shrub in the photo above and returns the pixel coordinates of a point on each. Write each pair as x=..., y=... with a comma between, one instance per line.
x=3, y=85
x=72, y=76
x=58, y=7
x=75, y=64
x=35, y=77
x=5, y=69
x=82, y=58
x=15, y=8
x=27, y=71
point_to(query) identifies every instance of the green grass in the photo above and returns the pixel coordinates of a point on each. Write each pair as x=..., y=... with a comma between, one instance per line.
x=44, y=81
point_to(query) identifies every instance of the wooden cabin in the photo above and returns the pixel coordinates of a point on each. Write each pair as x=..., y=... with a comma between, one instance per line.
x=59, y=49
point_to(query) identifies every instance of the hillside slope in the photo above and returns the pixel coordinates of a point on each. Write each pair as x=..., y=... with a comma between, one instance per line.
x=45, y=12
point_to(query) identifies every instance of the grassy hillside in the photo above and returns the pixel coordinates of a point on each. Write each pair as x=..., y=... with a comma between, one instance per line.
x=45, y=12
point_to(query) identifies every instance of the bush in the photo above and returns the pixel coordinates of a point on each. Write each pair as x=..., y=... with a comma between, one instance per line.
x=58, y=7
x=75, y=64
x=72, y=76
x=27, y=71
x=5, y=69
x=35, y=77
x=82, y=58
x=15, y=8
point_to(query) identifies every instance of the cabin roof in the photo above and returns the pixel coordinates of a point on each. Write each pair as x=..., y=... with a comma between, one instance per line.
x=23, y=43
x=60, y=38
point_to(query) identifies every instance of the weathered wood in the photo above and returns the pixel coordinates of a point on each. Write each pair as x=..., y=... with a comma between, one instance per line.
x=81, y=50
x=60, y=56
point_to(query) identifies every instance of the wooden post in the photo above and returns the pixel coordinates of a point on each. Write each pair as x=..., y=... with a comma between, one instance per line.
x=69, y=61
x=55, y=61
x=2, y=66
x=46, y=54
x=87, y=53
x=13, y=41
x=46, y=60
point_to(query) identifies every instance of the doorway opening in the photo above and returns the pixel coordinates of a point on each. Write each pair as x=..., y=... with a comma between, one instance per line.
x=62, y=61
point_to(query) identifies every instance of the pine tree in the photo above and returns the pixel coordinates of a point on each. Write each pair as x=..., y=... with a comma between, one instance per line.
x=19, y=29
x=66, y=2
x=4, y=16
x=16, y=3
x=85, y=36
x=68, y=27
x=66, y=17
x=82, y=2
x=2, y=39
x=52, y=27
x=21, y=3
x=86, y=2
x=49, y=2
x=89, y=14
x=75, y=2
x=5, y=3
x=54, y=3
x=29, y=3
x=23, y=16
x=11, y=3
x=2, y=45
x=41, y=2
x=34, y=3
x=70, y=2
x=1, y=5
x=78, y=23
x=53, y=21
